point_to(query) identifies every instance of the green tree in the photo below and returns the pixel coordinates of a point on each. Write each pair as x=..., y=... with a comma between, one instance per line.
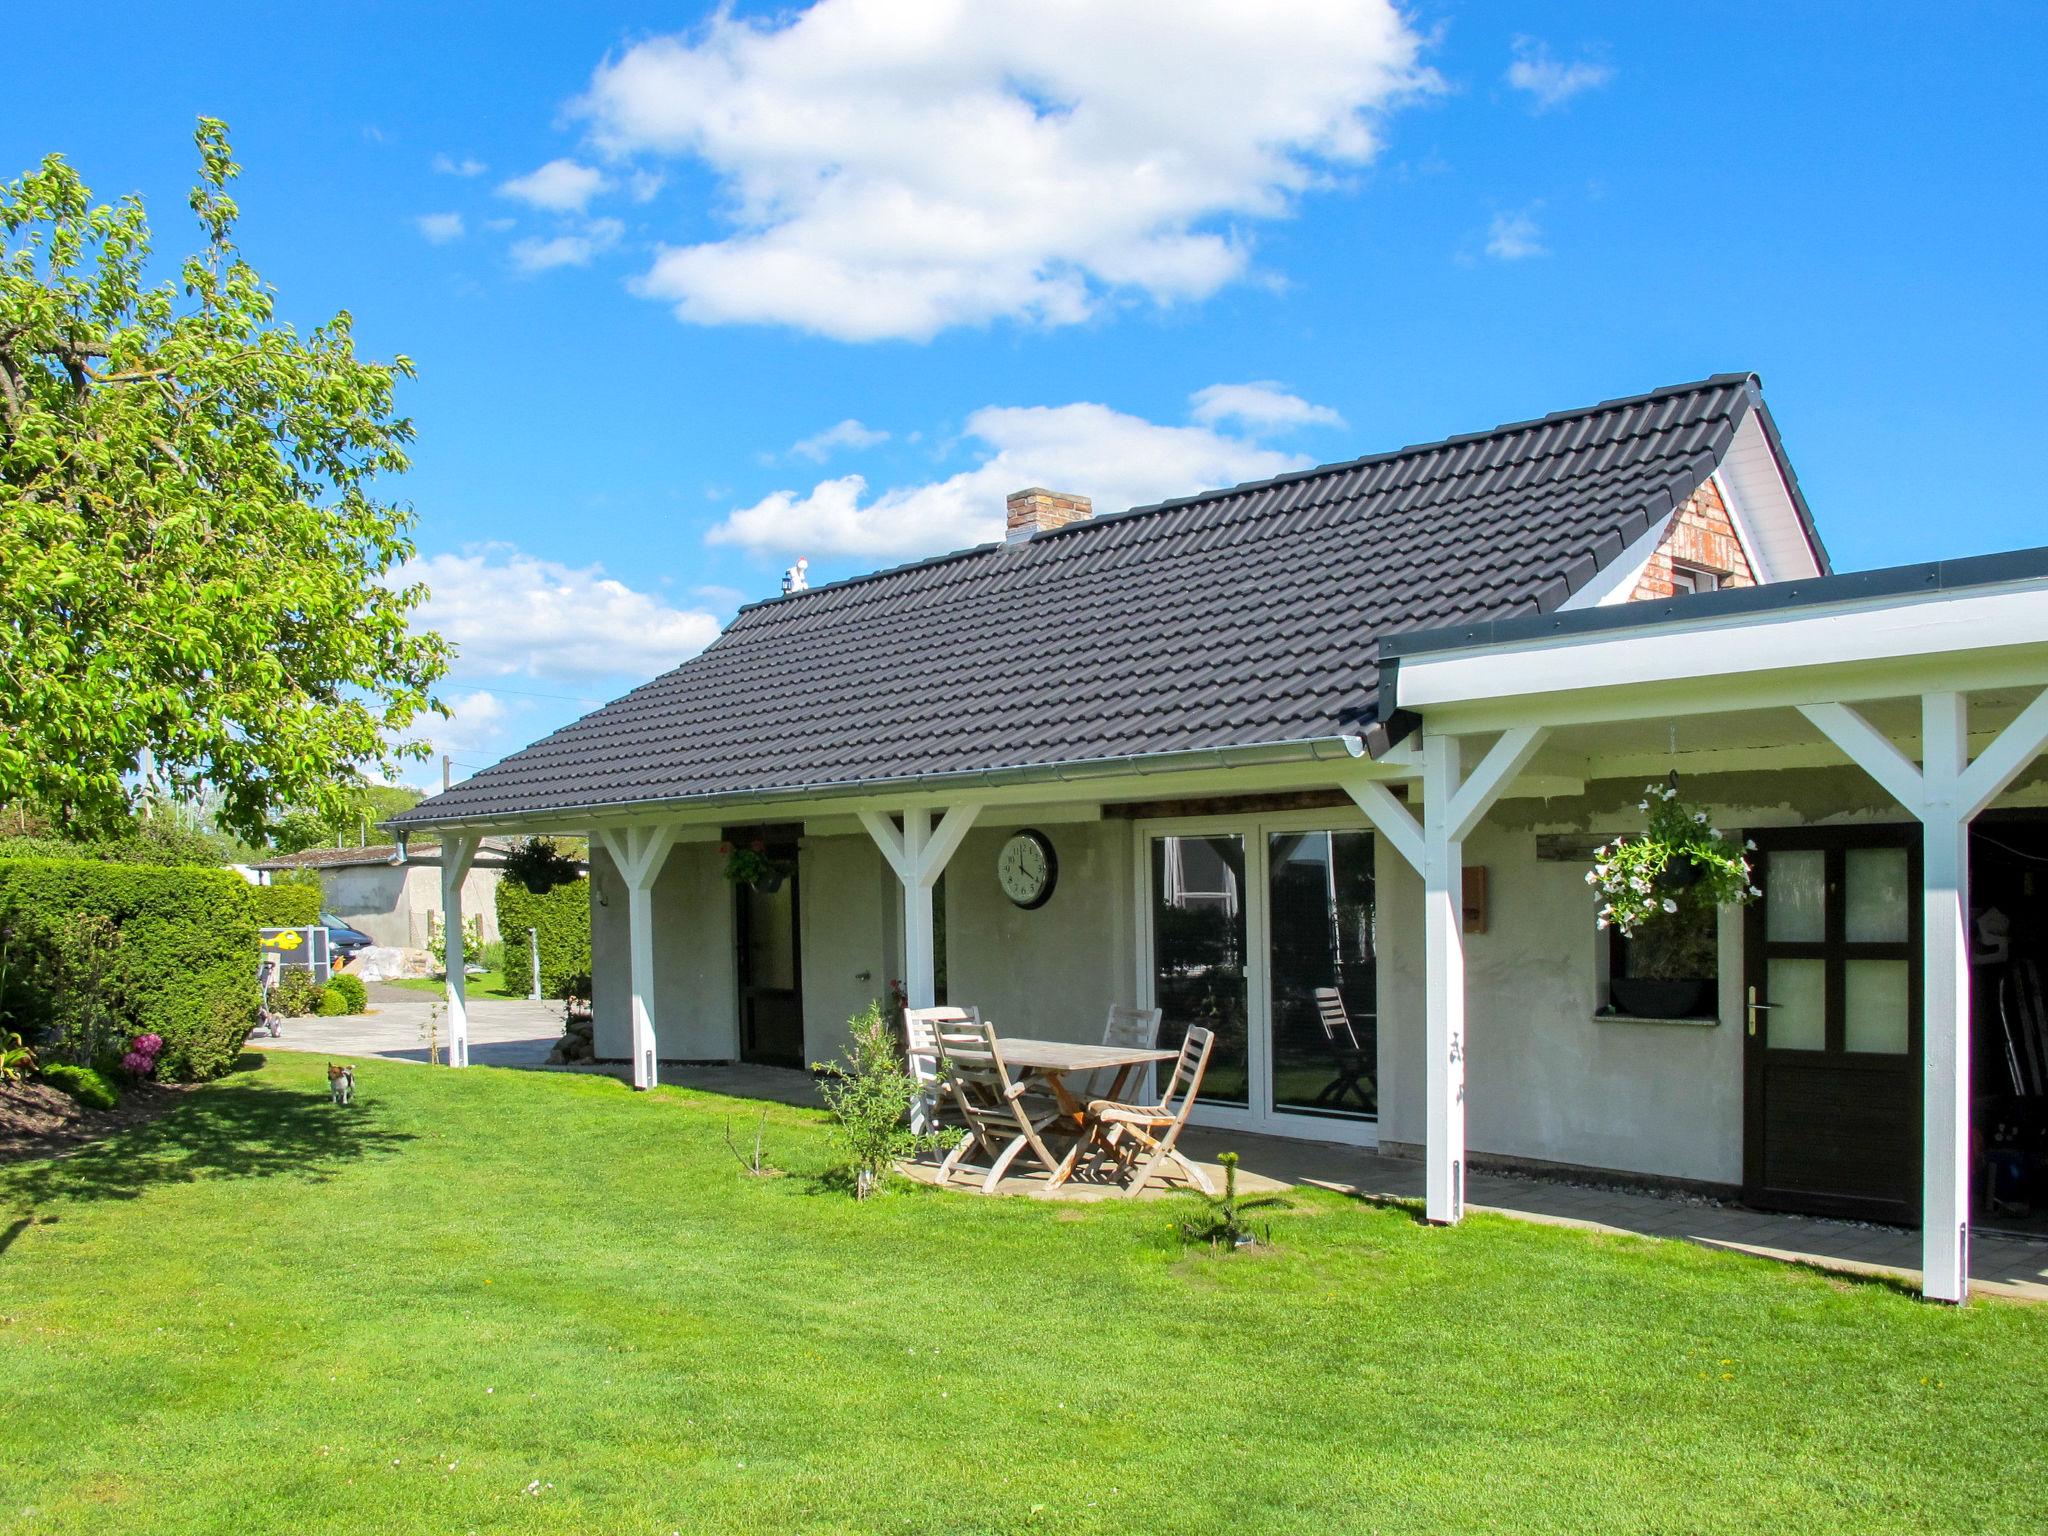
x=196, y=560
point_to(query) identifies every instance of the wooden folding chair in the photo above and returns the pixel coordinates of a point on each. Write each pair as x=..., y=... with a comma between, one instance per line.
x=1351, y=1061
x=1128, y=1132
x=921, y=1054
x=993, y=1107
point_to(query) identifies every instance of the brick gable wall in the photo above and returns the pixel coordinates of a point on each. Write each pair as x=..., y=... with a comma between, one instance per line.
x=1701, y=534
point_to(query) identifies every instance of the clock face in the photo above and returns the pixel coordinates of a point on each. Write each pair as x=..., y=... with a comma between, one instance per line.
x=1026, y=869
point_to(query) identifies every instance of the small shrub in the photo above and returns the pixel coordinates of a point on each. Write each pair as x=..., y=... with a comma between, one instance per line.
x=296, y=995
x=87, y=1087
x=1223, y=1226
x=472, y=941
x=16, y=1060
x=331, y=1004
x=869, y=1092
x=355, y=997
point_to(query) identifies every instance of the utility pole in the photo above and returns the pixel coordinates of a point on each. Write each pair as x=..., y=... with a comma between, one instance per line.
x=444, y=772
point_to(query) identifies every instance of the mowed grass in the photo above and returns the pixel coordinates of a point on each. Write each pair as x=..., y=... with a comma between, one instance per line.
x=499, y=1301
x=491, y=983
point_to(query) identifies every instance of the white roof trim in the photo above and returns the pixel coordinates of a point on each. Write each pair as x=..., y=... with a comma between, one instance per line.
x=1760, y=505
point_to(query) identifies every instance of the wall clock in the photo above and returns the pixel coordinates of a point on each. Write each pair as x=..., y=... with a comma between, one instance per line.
x=1027, y=870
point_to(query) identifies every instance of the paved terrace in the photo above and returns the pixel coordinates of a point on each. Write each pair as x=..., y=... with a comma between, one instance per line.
x=520, y=1034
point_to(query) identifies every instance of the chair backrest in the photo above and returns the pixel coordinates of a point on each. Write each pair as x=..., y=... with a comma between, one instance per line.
x=1336, y=1018
x=975, y=1074
x=1188, y=1068
x=1135, y=1029
x=921, y=1037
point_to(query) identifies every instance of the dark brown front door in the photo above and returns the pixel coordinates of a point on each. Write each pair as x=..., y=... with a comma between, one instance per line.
x=771, y=973
x=1831, y=1111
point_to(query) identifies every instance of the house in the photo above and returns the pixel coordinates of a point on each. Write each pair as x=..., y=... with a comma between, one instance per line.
x=395, y=898
x=1363, y=726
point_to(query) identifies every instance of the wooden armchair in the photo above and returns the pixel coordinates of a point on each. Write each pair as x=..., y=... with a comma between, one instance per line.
x=1127, y=1133
x=999, y=1118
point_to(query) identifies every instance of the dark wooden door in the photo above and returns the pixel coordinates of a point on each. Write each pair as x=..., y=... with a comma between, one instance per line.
x=771, y=973
x=1831, y=1105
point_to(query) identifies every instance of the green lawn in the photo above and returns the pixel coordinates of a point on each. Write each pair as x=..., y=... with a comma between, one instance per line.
x=264, y=1313
x=491, y=984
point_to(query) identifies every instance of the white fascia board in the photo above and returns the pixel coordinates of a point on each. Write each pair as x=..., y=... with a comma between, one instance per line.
x=1747, y=655
x=1616, y=582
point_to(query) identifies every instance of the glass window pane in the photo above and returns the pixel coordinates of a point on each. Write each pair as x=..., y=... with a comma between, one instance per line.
x=1795, y=896
x=1798, y=1020
x=1874, y=901
x=1320, y=922
x=1874, y=1003
x=1198, y=954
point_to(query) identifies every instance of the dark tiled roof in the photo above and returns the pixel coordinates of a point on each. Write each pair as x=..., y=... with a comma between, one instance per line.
x=1237, y=617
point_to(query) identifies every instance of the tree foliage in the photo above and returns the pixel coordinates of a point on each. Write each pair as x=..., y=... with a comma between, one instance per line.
x=196, y=563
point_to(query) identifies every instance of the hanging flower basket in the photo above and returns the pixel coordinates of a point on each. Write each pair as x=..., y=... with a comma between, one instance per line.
x=752, y=866
x=1640, y=878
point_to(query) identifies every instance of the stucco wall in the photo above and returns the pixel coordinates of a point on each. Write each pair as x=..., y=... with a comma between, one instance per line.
x=695, y=1011
x=1051, y=973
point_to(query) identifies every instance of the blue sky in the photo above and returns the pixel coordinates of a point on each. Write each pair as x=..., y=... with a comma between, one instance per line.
x=672, y=281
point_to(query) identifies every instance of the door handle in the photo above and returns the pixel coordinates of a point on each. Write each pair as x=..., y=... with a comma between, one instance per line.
x=1754, y=1007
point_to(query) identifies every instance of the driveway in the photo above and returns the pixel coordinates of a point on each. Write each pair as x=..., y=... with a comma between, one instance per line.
x=503, y=1032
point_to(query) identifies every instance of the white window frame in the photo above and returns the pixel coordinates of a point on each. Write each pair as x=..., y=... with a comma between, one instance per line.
x=1254, y=828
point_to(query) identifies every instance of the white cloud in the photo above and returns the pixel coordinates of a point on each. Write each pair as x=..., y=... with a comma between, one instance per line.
x=440, y=228
x=848, y=434
x=1515, y=236
x=561, y=186
x=895, y=170
x=512, y=614
x=465, y=165
x=1116, y=459
x=1263, y=405
x=642, y=186
x=569, y=250
x=1548, y=81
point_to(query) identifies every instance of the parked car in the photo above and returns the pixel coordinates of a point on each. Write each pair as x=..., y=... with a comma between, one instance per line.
x=343, y=940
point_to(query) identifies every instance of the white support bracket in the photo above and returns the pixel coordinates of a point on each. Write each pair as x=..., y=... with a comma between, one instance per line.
x=918, y=854
x=639, y=852
x=458, y=852
x=1945, y=791
x=1389, y=817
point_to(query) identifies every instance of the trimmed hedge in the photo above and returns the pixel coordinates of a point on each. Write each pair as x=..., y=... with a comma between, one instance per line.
x=561, y=916
x=287, y=906
x=95, y=1090
x=186, y=966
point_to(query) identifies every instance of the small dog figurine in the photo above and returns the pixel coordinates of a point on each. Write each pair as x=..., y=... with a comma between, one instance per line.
x=341, y=1082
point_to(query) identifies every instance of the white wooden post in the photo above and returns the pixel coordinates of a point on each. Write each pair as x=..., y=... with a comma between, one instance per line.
x=1945, y=792
x=1945, y=1027
x=457, y=851
x=918, y=854
x=1443, y=938
x=639, y=853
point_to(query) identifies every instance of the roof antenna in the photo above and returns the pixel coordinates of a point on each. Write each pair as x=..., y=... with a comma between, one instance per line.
x=796, y=579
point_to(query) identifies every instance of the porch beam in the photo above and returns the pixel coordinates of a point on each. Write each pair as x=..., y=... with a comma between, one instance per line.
x=1869, y=749
x=1945, y=1025
x=1507, y=757
x=2005, y=758
x=639, y=852
x=1390, y=818
x=457, y=854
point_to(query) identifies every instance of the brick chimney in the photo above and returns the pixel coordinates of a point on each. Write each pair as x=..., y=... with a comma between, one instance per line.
x=1040, y=511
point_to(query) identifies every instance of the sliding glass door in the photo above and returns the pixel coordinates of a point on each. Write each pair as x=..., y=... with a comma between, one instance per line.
x=1263, y=930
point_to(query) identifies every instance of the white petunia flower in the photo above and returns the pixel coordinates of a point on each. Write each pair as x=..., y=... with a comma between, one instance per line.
x=1670, y=905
